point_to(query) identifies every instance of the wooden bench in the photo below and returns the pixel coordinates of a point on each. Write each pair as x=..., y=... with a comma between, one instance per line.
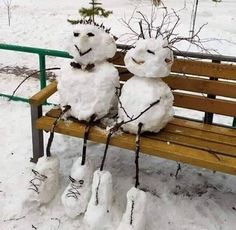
x=197, y=85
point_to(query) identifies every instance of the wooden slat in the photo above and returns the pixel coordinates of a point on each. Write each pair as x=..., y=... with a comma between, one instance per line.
x=40, y=97
x=193, y=84
x=204, y=104
x=187, y=126
x=175, y=152
x=200, y=68
x=200, y=126
x=221, y=138
x=196, y=143
x=209, y=69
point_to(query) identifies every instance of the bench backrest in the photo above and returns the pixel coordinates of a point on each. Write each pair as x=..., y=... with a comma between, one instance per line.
x=197, y=85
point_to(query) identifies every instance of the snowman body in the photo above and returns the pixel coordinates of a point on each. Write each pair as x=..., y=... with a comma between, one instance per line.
x=89, y=91
x=149, y=61
x=138, y=94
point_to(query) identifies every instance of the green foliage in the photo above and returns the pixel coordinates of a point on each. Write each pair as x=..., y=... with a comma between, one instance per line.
x=94, y=10
x=217, y=0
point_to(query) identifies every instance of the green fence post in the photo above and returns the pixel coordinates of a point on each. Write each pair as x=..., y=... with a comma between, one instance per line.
x=42, y=74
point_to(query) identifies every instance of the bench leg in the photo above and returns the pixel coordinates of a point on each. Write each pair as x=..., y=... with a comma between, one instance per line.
x=37, y=135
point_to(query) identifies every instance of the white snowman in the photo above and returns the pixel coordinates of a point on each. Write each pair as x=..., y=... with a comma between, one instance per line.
x=149, y=61
x=88, y=84
x=87, y=89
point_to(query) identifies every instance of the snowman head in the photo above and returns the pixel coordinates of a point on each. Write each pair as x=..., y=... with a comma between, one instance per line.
x=151, y=57
x=91, y=44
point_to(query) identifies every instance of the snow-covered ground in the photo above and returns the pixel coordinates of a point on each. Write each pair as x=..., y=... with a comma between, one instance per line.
x=198, y=200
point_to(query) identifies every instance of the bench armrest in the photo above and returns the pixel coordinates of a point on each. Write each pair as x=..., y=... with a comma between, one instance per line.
x=40, y=97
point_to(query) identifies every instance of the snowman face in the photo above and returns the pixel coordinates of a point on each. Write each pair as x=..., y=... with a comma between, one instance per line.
x=150, y=58
x=91, y=44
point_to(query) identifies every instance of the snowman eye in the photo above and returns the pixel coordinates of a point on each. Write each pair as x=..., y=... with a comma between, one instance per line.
x=81, y=181
x=151, y=52
x=90, y=34
x=76, y=34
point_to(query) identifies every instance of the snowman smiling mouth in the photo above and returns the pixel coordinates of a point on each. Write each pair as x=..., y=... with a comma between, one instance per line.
x=83, y=53
x=138, y=62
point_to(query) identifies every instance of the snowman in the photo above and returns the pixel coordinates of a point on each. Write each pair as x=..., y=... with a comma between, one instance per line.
x=87, y=88
x=88, y=84
x=147, y=105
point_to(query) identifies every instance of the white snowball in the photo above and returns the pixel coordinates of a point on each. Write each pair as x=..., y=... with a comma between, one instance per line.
x=134, y=217
x=76, y=196
x=46, y=180
x=88, y=92
x=150, y=58
x=137, y=95
x=98, y=213
x=94, y=44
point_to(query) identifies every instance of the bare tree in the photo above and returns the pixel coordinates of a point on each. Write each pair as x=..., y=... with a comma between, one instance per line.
x=163, y=25
x=8, y=3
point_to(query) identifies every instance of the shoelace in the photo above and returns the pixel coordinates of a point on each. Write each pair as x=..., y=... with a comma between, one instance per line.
x=36, y=181
x=75, y=186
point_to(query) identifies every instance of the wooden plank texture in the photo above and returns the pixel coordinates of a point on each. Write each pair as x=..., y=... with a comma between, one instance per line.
x=205, y=104
x=198, y=85
x=201, y=158
x=40, y=97
x=200, y=68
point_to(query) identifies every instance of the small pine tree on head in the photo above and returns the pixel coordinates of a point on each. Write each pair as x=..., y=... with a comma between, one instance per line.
x=94, y=10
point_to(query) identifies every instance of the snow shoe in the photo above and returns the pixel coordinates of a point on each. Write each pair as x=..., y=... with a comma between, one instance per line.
x=98, y=212
x=134, y=217
x=76, y=196
x=44, y=184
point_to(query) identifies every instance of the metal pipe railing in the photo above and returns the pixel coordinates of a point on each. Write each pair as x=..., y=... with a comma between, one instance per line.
x=42, y=53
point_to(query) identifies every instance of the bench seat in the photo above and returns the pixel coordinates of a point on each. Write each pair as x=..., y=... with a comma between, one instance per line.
x=203, y=145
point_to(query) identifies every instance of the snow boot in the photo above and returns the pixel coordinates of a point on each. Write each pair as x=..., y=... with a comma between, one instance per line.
x=134, y=217
x=76, y=196
x=45, y=182
x=98, y=212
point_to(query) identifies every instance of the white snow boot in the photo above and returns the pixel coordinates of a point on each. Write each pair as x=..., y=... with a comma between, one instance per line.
x=134, y=217
x=98, y=213
x=76, y=196
x=44, y=183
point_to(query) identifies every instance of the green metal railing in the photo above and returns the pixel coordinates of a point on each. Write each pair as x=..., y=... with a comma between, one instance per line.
x=42, y=53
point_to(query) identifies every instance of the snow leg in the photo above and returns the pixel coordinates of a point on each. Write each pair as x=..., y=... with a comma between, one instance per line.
x=98, y=213
x=76, y=196
x=45, y=178
x=45, y=181
x=134, y=217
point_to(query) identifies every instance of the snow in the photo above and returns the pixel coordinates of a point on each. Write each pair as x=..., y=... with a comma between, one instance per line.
x=137, y=94
x=88, y=92
x=44, y=182
x=102, y=44
x=98, y=214
x=198, y=199
x=76, y=196
x=134, y=217
x=149, y=58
